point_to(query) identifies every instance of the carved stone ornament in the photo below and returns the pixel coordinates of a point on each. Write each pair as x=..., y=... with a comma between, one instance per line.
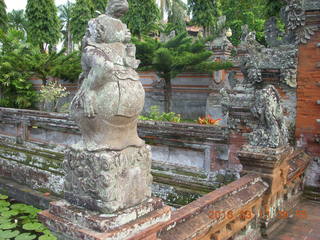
x=111, y=97
x=271, y=131
x=295, y=20
x=108, y=181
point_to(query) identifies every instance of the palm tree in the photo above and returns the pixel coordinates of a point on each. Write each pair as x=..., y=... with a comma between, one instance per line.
x=167, y=6
x=17, y=20
x=65, y=12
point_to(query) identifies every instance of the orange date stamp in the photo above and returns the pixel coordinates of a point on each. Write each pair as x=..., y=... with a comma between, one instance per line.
x=247, y=214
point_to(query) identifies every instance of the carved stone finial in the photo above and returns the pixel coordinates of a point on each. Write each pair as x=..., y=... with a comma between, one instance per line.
x=272, y=131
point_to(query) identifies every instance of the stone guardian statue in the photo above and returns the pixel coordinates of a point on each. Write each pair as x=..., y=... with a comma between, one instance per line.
x=111, y=96
x=109, y=169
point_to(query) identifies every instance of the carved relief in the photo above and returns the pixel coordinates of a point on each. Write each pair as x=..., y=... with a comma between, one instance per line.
x=108, y=181
x=294, y=17
x=271, y=131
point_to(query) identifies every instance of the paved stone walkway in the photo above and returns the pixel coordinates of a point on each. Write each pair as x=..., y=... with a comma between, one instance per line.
x=304, y=223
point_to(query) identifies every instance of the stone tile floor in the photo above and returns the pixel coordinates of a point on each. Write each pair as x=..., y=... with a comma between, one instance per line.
x=304, y=223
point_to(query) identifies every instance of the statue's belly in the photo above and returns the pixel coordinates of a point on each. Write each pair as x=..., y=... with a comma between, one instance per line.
x=123, y=98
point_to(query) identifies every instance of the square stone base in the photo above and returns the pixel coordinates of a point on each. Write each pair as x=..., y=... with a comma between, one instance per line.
x=68, y=222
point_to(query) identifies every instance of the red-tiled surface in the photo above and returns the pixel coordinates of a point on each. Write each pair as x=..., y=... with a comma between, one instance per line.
x=300, y=226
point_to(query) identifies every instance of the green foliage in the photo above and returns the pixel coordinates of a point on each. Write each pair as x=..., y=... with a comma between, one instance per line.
x=19, y=222
x=15, y=56
x=142, y=17
x=82, y=12
x=65, y=15
x=51, y=93
x=43, y=23
x=177, y=55
x=60, y=65
x=100, y=5
x=155, y=115
x=17, y=20
x=177, y=15
x=3, y=15
x=19, y=61
x=55, y=64
x=273, y=8
x=204, y=13
x=254, y=13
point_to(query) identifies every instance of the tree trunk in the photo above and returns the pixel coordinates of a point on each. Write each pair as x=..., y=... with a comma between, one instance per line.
x=69, y=40
x=167, y=95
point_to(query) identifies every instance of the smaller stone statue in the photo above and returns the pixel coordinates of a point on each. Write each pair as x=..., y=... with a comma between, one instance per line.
x=272, y=33
x=272, y=131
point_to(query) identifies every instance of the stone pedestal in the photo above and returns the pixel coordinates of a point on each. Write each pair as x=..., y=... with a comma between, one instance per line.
x=108, y=196
x=108, y=181
x=69, y=222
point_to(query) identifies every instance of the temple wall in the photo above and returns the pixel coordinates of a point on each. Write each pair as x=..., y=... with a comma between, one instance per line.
x=32, y=144
x=308, y=109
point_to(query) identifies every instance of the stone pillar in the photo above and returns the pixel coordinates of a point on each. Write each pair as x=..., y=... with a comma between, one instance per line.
x=276, y=167
x=108, y=180
x=221, y=48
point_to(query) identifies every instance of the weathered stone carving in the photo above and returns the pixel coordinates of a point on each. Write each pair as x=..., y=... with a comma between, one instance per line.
x=111, y=96
x=294, y=17
x=283, y=57
x=272, y=131
x=109, y=169
x=108, y=181
x=221, y=43
x=272, y=33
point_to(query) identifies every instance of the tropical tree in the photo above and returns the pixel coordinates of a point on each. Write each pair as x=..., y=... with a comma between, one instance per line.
x=100, y=5
x=43, y=23
x=177, y=16
x=15, y=55
x=82, y=12
x=55, y=64
x=3, y=15
x=142, y=17
x=17, y=20
x=241, y=12
x=65, y=15
x=165, y=7
x=177, y=55
x=205, y=14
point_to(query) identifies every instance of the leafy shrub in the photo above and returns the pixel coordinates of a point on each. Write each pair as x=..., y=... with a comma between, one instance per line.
x=19, y=222
x=155, y=115
x=51, y=93
x=208, y=120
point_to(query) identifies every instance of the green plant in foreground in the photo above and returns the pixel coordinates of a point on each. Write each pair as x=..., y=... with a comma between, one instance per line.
x=19, y=222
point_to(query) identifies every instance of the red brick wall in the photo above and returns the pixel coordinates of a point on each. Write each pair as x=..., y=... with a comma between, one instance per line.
x=308, y=92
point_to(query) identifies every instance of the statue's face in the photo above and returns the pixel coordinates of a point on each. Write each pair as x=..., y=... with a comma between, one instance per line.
x=117, y=8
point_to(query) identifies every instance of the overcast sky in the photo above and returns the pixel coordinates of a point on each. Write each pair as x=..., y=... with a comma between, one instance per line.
x=21, y=4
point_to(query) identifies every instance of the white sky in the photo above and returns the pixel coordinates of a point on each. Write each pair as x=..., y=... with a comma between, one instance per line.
x=21, y=4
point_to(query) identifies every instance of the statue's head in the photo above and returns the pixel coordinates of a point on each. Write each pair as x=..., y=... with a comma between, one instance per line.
x=117, y=8
x=104, y=29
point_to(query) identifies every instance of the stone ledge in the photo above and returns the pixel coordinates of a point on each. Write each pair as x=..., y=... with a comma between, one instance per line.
x=103, y=222
x=68, y=229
